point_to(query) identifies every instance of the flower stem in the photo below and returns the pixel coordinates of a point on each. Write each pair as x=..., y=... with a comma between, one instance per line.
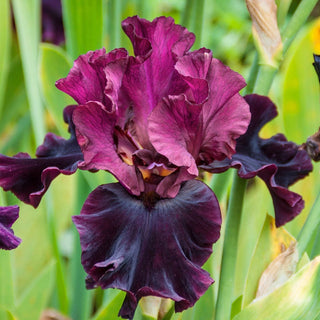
x=114, y=23
x=60, y=270
x=198, y=22
x=193, y=18
x=219, y=183
x=309, y=227
x=252, y=75
x=265, y=76
x=186, y=16
x=81, y=297
x=298, y=19
x=227, y=275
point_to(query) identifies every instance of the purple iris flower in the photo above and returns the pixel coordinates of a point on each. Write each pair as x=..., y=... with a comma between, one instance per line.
x=8, y=215
x=30, y=178
x=278, y=162
x=52, y=25
x=150, y=119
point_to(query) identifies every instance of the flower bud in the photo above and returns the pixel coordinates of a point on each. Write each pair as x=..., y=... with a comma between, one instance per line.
x=265, y=30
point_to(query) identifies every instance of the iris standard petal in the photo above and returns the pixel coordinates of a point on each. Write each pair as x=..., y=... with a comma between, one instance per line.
x=174, y=131
x=95, y=132
x=188, y=133
x=30, y=178
x=140, y=246
x=278, y=162
x=87, y=80
x=149, y=76
x=8, y=215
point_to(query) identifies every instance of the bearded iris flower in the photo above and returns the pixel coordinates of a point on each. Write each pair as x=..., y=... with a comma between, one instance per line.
x=152, y=120
x=149, y=119
x=8, y=215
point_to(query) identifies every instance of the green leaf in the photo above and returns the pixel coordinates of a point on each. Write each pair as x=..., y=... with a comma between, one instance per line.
x=6, y=314
x=236, y=306
x=36, y=295
x=27, y=18
x=296, y=299
x=300, y=98
x=252, y=220
x=54, y=64
x=5, y=45
x=35, y=251
x=84, y=25
x=6, y=281
x=271, y=243
x=111, y=309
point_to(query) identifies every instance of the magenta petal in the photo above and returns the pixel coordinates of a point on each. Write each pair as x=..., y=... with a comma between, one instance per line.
x=8, y=215
x=30, y=178
x=87, y=79
x=278, y=162
x=161, y=34
x=149, y=76
x=149, y=250
x=174, y=131
x=225, y=114
x=95, y=132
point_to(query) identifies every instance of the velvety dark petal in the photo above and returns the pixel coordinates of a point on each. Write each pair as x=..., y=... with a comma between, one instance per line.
x=52, y=25
x=87, y=80
x=95, y=132
x=277, y=161
x=30, y=178
x=157, y=45
x=8, y=215
x=147, y=248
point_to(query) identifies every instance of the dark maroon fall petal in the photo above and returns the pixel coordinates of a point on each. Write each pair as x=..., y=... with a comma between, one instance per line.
x=278, y=162
x=8, y=215
x=30, y=178
x=141, y=245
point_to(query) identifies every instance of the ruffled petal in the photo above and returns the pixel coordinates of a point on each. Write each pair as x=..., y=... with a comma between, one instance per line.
x=8, y=215
x=150, y=74
x=278, y=162
x=95, y=132
x=30, y=178
x=87, y=79
x=149, y=248
x=225, y=114
x=174, y=128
